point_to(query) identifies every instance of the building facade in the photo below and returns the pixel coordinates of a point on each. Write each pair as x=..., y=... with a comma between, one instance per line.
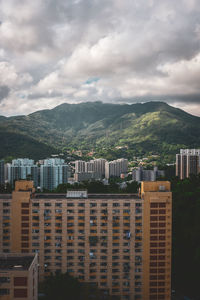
x=22, y=168
x=140, y=174
x=2, y=177
x=187, y=163
x=116, y=167
x=118, y=242
x=18, y=276
x=52, y=173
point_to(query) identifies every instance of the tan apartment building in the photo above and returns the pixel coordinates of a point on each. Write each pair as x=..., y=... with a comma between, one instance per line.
x=118, y=242
x=18, y=277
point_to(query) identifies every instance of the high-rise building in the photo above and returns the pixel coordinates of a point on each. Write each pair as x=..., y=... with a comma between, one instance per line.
x=187, y=163
x=18, y=276
x=80, y=166
x=118, y=242
x=2, y=178
x=116, y=167
x=140, y=174
x=52, y=173
x=22, y=168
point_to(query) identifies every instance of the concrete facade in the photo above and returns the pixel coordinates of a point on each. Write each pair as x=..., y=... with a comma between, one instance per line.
x=118, y=242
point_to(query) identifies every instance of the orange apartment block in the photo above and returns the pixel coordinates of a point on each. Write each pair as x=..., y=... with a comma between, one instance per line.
x=18, y=277
x=118, y=242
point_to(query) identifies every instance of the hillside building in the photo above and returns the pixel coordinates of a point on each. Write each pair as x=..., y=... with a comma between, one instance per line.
x=116, y=167
x=52, y=173
x=2, y=177
x=140, y=174
x=187, y=163
x=22, y=168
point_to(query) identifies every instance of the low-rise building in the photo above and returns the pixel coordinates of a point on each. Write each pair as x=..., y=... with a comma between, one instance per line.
x=18, y=276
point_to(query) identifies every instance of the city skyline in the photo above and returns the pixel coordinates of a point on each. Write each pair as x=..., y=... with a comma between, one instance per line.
x=74, y=52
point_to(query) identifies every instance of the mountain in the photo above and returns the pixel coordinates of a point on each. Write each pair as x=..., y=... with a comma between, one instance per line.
x=110, y=129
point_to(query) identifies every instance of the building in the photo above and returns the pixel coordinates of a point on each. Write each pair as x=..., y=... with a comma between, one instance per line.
x=116, y=167
x=80, y=166
x=118, y=242
x=22, y=168
x=52, y=173
x=2, y=177
x=140, y=174
x=18, y=276
x=96, y=165
x=187, y=163
x=86, y=176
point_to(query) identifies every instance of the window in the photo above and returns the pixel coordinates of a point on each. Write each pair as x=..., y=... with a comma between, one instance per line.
x=4, y=292
x=20, y=281
x=20, y=293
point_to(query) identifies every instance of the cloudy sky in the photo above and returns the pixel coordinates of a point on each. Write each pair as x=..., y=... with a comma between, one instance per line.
x=119, y=51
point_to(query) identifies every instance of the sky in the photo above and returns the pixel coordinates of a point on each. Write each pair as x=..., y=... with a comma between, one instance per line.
x=117, y=51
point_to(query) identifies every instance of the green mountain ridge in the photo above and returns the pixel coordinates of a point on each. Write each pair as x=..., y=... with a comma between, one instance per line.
x=152, y=127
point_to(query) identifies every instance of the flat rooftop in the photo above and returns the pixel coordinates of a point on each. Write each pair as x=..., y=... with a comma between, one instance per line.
x=89, y=196
x=15, y=262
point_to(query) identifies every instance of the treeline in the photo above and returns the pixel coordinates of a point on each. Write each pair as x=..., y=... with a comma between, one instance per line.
x=98, y=187
x=186, y=236
x=66, y=287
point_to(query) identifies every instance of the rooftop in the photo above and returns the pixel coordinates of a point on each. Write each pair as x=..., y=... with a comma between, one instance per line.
x=15, y=262
x=89, y=196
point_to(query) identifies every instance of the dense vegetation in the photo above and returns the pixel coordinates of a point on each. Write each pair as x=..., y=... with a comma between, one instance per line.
x=66, y=287
x=111, y=130
x=186, y=236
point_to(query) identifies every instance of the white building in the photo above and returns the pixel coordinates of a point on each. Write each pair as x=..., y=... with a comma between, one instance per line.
x=52, y=173
x=116, y=167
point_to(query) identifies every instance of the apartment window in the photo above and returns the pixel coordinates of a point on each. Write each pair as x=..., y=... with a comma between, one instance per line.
x=81, y=211
x=115, y=251
x=70, y=211
x=153, y=211
x=36, y=204
x=58, y=211
x=4, y=279
x=93, y=211
x=115, y=244
x=58, y=204
x=4, y=292
x=115, y=211
x=115, y=204
x=153, y=205
x=115, y=270
x=81, y=218
x=70, y=257
x=81, y=244
x=20, y=281
x=93, y=204
x=114, y=257
x=70, y=244
x=126, y=211
x=47, y=204
x=81, y=204
x=70, y=204
x=104, y=204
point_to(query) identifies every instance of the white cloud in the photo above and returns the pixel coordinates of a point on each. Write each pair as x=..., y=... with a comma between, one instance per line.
x=136, y=49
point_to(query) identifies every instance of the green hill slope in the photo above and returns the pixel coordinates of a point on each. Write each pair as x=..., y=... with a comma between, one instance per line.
x=152, y=127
